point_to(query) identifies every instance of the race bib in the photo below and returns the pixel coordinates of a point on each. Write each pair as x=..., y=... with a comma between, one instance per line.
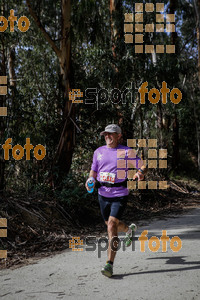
x=107, y=177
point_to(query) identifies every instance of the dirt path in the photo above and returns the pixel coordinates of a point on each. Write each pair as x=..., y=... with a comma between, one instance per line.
x=137, y=275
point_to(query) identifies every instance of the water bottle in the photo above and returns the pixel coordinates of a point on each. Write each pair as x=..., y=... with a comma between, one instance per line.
x=90, y=184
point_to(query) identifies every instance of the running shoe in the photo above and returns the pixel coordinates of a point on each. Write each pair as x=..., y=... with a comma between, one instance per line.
x=107, y=270
x=129, y=235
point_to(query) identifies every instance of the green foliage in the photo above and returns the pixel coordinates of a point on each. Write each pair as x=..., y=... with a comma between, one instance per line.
x=35, y=110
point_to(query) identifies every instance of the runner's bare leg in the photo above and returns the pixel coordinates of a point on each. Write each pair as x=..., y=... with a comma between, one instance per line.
x=112, y=227
x=122, y=227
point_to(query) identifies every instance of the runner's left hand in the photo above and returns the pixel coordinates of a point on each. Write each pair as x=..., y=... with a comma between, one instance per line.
x=138, y=176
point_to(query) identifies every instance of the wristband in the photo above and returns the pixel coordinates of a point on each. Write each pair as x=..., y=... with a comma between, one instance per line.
x=141, y=171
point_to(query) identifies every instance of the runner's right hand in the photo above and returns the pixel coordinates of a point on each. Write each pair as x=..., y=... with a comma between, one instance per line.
x=87, y=188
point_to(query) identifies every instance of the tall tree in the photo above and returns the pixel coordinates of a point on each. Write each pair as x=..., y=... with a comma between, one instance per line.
x=2, y=104
x=63, y=156
x=197, y=15
x=117, y=37
x=197, y=122
x=175, y=137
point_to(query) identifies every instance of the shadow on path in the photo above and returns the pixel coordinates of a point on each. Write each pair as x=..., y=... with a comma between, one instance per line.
x=170, y=260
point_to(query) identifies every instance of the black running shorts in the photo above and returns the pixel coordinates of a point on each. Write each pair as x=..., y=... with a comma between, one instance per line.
x=112, y=206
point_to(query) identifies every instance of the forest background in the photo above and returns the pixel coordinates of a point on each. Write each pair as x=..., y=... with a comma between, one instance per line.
x=80, y=44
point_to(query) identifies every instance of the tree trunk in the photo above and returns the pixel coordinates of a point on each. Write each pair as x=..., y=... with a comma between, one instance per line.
x=63, y=155
x=160, y=124
x=2, y=104
x=175, y=142
x=198, y=36
x=197, y=125
x=65, y=146
x=11, y=62
x=196, y=113
x=116, y=34
x=172, y=9
x=113, y=26
x=175, y=137
x=12, y=80
x=198, y=44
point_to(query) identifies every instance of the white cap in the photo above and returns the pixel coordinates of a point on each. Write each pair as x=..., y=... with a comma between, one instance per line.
x=112, y=128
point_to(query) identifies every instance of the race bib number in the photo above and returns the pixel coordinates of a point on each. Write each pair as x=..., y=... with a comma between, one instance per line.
x=107, y=177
